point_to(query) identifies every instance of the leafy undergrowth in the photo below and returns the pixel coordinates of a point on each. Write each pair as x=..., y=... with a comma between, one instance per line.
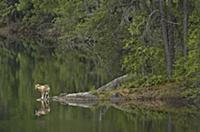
x=192, y=94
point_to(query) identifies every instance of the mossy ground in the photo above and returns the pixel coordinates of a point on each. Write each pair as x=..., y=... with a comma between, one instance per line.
x=164, y=92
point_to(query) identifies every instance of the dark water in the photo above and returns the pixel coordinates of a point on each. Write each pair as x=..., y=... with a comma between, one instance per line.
x=20, y=71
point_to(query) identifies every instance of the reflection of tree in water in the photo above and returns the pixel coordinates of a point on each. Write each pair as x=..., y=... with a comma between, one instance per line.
x=66, y=72
x=44, y=108
x=170, y=123
x=179, y=121
x=102, y=112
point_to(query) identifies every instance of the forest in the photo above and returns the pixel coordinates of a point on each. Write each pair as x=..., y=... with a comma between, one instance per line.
x=156, y=41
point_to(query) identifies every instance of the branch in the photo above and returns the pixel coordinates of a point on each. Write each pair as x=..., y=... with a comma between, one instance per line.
x=171, y=22
x=147, y=24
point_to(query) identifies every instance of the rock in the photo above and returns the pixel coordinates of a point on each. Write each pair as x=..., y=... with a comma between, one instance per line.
x=116, y=84
x=83, y=96
x=116, y=95
x=84, y=99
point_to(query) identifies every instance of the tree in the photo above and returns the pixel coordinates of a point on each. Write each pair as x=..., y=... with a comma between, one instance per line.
x=167, y=45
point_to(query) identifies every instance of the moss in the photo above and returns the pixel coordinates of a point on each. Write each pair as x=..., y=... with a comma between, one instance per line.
x=164, y=91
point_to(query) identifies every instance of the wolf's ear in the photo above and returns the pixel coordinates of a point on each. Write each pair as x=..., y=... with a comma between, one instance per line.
x=37, y=85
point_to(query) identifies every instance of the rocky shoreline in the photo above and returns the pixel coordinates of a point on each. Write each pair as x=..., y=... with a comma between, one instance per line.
x=113, y=92
x=85, y=97
x=89, y=100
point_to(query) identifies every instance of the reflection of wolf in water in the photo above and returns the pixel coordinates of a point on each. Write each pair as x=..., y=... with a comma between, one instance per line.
x=44, y=109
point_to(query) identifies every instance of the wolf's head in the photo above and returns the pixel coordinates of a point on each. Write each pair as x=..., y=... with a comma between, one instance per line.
x=37, y=86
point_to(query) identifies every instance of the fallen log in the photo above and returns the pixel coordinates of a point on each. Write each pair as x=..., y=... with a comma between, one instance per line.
x=90, y=96
x=116, y=83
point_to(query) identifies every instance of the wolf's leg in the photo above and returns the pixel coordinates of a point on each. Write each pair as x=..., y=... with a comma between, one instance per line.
x=42, y=95
x=47, y=94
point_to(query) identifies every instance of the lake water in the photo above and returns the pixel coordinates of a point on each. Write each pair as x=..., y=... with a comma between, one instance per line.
x=20, y=71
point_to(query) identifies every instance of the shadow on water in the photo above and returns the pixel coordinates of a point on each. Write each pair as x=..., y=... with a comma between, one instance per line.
x=25, y=64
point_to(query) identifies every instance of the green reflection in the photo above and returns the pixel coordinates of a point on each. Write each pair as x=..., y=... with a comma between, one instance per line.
x=27, y=63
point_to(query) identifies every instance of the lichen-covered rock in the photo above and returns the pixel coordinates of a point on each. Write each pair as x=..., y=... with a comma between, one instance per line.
x=84, y=99
x=116, y=95
x=83, y=96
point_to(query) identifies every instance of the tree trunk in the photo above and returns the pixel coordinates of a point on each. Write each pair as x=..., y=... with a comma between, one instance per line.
x=86, y=6
x=165, y=40
x=96, y=2
x=171, y=28
x=185, y=26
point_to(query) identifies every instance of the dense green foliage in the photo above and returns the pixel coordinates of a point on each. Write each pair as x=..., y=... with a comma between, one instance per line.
x=152, y=39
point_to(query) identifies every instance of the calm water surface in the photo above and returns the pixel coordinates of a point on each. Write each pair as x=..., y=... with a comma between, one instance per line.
x=20, y=71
